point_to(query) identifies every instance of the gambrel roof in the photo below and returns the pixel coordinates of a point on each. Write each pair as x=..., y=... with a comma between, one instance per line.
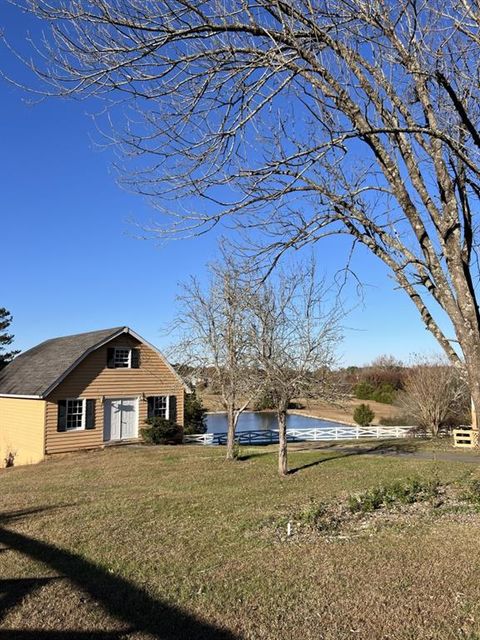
x=36, y=372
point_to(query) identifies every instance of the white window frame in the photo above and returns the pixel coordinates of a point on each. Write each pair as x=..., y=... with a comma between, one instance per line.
x=167, y=407
x=129, y=362
x=84, y=414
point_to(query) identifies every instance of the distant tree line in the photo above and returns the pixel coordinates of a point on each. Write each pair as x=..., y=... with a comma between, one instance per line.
x=379, y=381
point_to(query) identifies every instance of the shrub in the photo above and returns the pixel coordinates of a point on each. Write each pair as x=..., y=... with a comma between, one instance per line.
x=408, y=492
x=237, y=450
x=264, y=402
x=384, y=393
x=363, y=415
x=435, y=393
x=364, y=391
x=194, y=414
x=472, y=492
x=296, y=405
x=320, y=516
x=10, y=459
x=162, y=431
x=367, y=501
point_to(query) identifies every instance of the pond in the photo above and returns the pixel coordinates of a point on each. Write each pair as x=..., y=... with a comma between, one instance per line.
x=264, y=421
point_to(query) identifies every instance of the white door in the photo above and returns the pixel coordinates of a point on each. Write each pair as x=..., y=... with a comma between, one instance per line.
x=121, y=419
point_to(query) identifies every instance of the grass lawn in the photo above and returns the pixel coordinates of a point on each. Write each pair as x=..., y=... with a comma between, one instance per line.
x=173, y=542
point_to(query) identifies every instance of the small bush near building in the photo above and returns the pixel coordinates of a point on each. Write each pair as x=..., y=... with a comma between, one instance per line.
x=10, y=459
x=162, y=431
x=363, y=415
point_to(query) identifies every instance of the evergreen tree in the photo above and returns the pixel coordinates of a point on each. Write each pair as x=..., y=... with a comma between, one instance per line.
x=195, y=420
x=5, y=338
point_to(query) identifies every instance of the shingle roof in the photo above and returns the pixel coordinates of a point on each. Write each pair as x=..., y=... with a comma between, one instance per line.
x=33, y=372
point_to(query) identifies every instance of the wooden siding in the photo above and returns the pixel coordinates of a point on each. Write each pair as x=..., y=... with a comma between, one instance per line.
x=92, y=379
x=22, y=430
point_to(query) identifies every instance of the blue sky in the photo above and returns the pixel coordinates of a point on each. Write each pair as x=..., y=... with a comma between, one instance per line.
x=73, y=261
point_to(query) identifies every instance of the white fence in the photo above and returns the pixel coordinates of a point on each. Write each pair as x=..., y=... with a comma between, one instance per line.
x=270, y=436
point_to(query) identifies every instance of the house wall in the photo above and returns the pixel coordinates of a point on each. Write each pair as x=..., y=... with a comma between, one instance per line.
x=92, y=379
x=22, y=430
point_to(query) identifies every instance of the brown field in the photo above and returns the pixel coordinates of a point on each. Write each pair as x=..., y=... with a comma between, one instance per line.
x=174, y=542
x=342, y=412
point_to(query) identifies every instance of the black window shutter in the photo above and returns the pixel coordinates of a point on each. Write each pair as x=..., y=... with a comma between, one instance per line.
x=172, y=411
x=90, y=417
x=111, y=358
x=62, y=415
x=150, y=401
x=135, y=358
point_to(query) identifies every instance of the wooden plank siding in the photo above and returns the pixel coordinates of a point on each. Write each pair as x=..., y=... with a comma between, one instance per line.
x=92, y=379
x=22, y=430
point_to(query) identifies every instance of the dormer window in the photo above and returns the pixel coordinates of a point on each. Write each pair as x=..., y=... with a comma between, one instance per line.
x=123, y=358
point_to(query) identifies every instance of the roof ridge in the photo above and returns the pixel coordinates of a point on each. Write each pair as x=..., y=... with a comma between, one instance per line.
x=38, y=371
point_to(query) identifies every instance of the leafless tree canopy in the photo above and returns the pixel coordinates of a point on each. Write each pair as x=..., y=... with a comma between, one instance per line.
x=213, y=323
x=277, y=337
x=298, y=120
x=434, y=393
x=293, y=336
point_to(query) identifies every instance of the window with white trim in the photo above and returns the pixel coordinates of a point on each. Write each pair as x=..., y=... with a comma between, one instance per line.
x=160, y=407
x=122, y=358
x=75, y=414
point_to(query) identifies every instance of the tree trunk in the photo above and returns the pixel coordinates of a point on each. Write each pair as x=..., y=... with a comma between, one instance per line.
x=231, y=424
x=472, y=367
x=475, y=393
x=434, y=428
x=474, y=416
x=282, y=442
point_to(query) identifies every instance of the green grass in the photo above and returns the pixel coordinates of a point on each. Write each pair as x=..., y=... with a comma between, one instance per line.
x=174, y=542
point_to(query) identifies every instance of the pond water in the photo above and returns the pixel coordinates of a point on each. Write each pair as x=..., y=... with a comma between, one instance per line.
x=265, y=420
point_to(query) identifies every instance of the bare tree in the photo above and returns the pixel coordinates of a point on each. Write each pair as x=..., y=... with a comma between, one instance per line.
x=299, y=120
x=213, y=328
x=293, y=337
x=434, y=393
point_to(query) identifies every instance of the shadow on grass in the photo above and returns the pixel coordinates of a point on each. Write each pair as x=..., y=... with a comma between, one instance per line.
x=43, y=634
x=120, y=598
x=251, y=455
x=12, y=592
x=382, y=448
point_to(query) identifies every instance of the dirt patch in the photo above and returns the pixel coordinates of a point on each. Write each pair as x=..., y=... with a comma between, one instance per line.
x=400, y=504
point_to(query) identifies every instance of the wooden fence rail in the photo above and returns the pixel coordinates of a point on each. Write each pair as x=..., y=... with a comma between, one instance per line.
x=270, y=436
x=465, y=437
